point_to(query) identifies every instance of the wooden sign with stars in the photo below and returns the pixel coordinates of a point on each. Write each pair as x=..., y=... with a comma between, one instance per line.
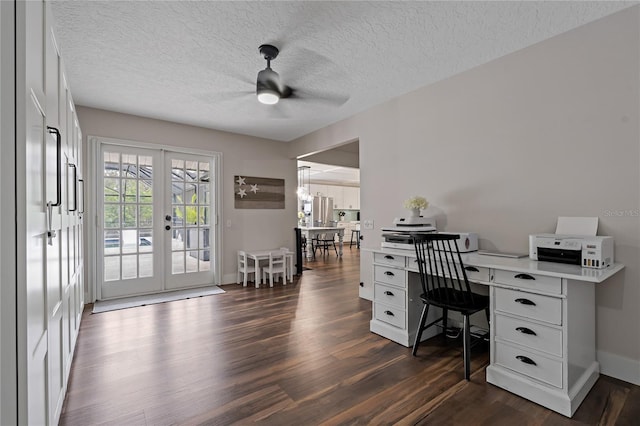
x=258, y=193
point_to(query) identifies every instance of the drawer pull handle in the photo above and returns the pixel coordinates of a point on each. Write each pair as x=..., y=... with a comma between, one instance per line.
x=526, y=360
x=389, y=273
x=524, y=277
x=471, y=269
x=525, y=302
x=388, y=293
x=389, y=313
x=525, y=330
x=388, y=256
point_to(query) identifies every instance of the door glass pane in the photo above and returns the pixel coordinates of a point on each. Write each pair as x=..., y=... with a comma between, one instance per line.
x=145, y=193
x=112, y=164
x=204, y=172
x=111, y=190
x=146, y=265
x=177, y=264
x=129, y=165
x=204, y=260
x=111, y=242
x=111, y=268
x=129, y=241
x=129, y=267
x=146, y=241
x=130, y=190
x=191, y=213
x=129, y=216
x=145, y=216
x=191, y=193
x=112, y=216
x=177, y=170
x=191, y=171
x=203, y=193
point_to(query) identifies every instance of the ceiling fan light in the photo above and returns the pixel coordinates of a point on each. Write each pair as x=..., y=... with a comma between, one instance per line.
x=268, y=97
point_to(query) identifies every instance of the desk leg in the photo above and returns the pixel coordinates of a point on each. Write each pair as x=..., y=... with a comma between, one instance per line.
x=340, y=238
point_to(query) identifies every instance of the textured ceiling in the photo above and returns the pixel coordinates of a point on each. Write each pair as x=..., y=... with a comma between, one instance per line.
x=196, y=62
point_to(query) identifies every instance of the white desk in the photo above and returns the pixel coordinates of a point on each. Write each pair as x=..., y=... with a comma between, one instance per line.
x=258, y=255
x=554, y=367
x=310, y=232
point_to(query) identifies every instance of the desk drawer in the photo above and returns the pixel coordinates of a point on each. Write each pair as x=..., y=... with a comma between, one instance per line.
x=521, y=361
x=387, y=275
x=477, y=273
x=534, y=282
x=531, y=335
x=390, y=295
x=389, y=314
x=389, y=259
x=534, y=306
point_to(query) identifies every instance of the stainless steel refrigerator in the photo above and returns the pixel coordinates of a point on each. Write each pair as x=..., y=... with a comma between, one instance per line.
x=322, y=212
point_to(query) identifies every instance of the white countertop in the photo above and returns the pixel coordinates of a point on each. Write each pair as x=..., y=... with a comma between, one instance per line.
x=525, y=265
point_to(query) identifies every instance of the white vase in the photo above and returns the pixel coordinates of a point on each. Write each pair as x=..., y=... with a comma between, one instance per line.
x=415, y=212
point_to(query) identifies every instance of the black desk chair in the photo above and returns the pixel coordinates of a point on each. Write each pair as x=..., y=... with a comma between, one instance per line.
x=445, y=285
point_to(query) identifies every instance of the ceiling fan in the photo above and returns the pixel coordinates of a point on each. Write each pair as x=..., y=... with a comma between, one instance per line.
x=268, y=86
x=270, y=89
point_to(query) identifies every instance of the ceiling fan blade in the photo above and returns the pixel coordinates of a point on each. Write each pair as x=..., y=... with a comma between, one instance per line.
x=223, y=96
x=332, y=99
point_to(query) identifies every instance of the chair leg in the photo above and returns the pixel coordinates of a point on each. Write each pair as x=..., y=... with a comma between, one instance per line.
x=423, y=320
x=466, y=345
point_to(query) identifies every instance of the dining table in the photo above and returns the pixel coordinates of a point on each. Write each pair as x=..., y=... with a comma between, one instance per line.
x=311, y=231
x=262, y=255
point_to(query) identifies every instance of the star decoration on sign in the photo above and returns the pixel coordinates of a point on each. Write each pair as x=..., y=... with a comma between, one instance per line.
x=254, y=188
x=241, y=181
x=242, y=193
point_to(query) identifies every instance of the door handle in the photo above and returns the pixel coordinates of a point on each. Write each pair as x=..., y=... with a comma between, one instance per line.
x=167, y=217
x=167, y=227
x=56, y=133
x=75, y=188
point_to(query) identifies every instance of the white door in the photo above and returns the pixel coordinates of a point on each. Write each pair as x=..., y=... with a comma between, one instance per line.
x=154, y=223
x=129, y=222
x=188, y=221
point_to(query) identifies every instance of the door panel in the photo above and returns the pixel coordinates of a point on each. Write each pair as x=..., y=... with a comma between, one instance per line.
x=189, y=205
x=129, y=221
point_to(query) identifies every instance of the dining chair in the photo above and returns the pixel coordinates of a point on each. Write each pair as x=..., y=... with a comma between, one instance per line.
x=324, y=242
x=445, y=285
x=276, y=267
x=245, y=268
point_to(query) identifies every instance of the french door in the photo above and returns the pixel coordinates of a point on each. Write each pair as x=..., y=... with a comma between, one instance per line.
x=154, y=221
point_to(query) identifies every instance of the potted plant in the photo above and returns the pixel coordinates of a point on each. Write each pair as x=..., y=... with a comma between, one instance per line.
x=415, y=204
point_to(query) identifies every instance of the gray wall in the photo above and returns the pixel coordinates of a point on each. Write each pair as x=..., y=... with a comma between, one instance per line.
x=507, y=147
x=241, y=155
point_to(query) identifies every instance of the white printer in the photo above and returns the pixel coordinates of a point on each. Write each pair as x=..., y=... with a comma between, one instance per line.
x=586, y=251
x=396, y=236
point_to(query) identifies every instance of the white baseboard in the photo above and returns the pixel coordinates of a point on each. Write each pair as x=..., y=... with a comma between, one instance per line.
x=619, y=367
x=229, y=279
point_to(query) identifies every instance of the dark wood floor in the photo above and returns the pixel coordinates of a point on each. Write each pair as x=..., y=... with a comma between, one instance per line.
x=295, y=355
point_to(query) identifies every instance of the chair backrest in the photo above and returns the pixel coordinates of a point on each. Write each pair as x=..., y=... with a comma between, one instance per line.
x=329, y=236
x=276, y=259
x=242, y=260
x=442, y=273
